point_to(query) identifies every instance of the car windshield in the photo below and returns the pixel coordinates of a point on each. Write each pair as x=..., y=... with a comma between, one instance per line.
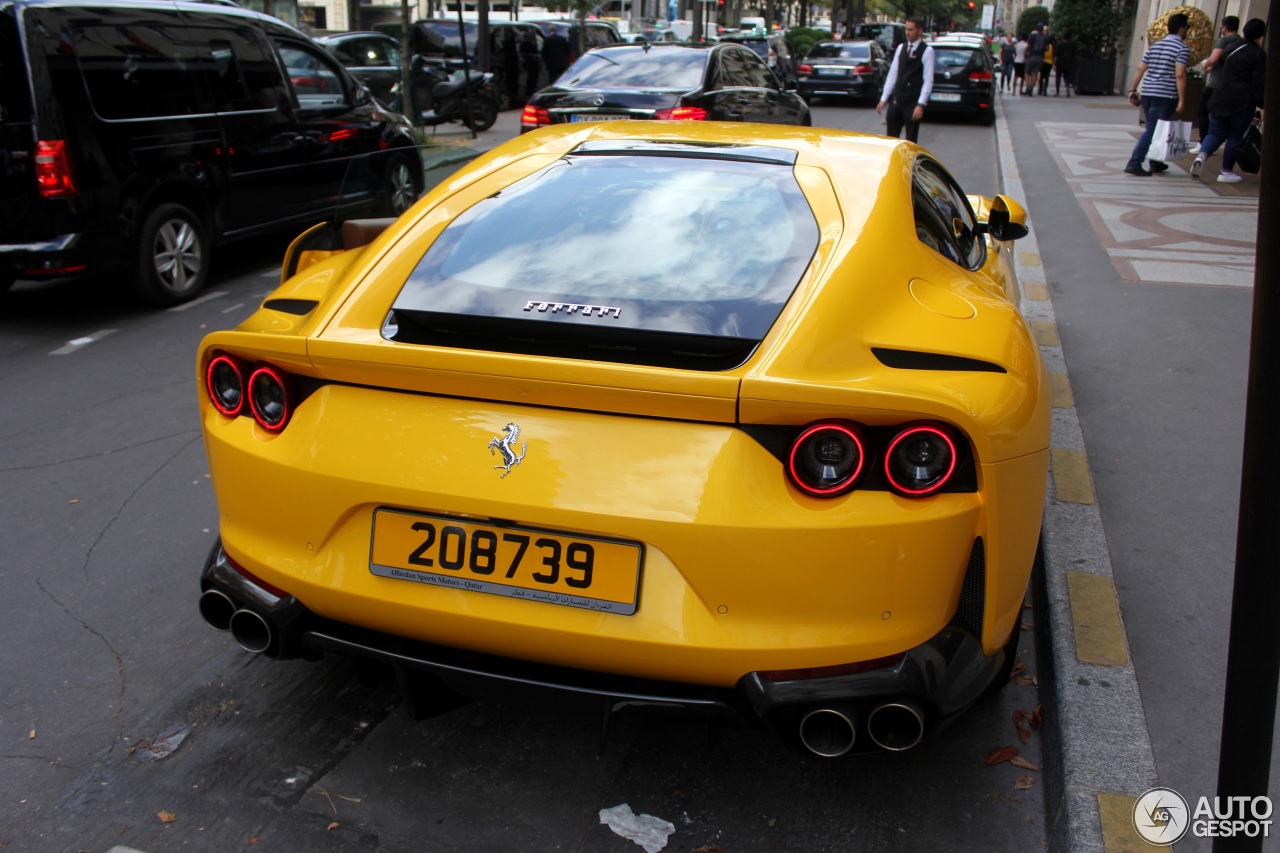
x=952, y=58
x=448, y=30
x=635, y=68
x=840, y=51
x=657, y=243
x=760, y=45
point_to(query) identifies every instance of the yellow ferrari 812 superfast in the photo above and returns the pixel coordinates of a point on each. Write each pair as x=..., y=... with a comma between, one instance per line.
x=723, y=419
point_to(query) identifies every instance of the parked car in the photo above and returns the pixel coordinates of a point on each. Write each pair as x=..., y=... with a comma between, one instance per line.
x=890, y=35
x=842, y=69
x=772, y=48
x=964, y=80
x=595, y=34
x=721, y=82
x=136, y=136
x=739, y=421
x=372, y=58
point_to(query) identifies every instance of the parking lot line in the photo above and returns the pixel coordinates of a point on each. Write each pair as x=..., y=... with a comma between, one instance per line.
x=80, y=343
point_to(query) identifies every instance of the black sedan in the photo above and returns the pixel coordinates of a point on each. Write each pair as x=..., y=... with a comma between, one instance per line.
x=373, y=58
x=843, y=68
x=964, y=80
x=720, y=82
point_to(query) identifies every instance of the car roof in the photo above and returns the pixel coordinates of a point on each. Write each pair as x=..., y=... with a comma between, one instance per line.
x=328, y=37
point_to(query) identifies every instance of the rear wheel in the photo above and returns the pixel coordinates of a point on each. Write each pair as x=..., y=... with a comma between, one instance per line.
x=173, y=256
x=988, y=118
x=400, y=185
x=483, y=113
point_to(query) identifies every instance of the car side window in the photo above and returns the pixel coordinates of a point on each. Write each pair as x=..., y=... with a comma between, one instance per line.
x=238, y=69
x=733, y=70
x=944, y=220
x=758, y=73
x=316, y=82
x=136, y=70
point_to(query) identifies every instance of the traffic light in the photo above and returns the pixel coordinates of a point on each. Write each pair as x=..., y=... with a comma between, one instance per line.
x=970, y=4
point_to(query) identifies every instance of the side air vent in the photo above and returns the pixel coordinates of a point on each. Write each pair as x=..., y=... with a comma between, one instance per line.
x=970, y=611
x=291, y=306
x=905, y=359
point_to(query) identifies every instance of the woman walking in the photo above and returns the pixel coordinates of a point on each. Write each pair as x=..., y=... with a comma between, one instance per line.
x=1232, y=107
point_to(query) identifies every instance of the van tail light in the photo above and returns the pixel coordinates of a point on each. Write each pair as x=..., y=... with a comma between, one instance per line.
x=862, y=69
x=805, y=68
x=224, y=381
x=681, y=114
x=270, y=397
x=982, y=75
x=53, y=169
x=920, y=459
x=827, y=459
x=534, y=117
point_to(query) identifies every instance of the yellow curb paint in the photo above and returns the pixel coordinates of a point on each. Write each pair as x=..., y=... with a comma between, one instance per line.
x=1035, y=290
x=1071, y=481
x=1115, y=812
x=1060, y=391
x=1096, y=618
x=1029, y=259
x=1045, y=333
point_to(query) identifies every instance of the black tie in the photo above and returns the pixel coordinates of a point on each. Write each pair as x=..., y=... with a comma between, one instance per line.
x=911, y=51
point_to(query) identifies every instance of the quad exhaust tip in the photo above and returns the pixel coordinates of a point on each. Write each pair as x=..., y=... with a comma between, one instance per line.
x=217, y=608
x=251, y=631
x=828, y=732
x=896, y=726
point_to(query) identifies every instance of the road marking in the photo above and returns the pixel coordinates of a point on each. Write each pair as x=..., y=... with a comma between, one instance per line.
x=1046, y=333
x=1060, y=391
x=81, y=343
x=208, y=297
x=232, y=308
x=1071, y=480
x=1035, y=290
x=1029, y=259
x=1118, y=834
x=1095, y=615
x=271, y=273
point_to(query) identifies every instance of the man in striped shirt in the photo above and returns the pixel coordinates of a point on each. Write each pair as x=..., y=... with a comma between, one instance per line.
x=1164, y=67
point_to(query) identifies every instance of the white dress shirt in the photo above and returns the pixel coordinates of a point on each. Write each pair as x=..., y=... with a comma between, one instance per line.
x=927, y=60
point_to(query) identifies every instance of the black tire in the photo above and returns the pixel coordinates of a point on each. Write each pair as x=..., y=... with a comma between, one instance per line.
x=172, y=256
x=484, y=112
x=6, y=282
x=988, y=118
x=401, y=185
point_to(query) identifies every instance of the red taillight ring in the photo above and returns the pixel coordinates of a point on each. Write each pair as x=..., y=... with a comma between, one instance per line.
x=937, y=484
x=219, y=403
x=273, y=408
x=847, y=483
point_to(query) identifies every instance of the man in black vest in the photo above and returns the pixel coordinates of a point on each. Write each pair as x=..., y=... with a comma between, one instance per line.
x=910, y=81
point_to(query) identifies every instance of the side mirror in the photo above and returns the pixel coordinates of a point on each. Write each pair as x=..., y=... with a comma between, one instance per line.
x=1007, y=219
x=361, y=96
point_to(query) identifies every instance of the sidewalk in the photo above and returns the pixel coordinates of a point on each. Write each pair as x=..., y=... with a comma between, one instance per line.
x=1141, y=286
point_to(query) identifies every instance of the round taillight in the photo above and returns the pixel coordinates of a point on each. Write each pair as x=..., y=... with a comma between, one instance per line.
x=827, y=459
x=920, y=460
x=225, y=384
x=270, y=398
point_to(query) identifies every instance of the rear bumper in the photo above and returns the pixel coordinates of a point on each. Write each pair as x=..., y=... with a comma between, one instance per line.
x=836, y=87
x=941, y=677
x=63, y=255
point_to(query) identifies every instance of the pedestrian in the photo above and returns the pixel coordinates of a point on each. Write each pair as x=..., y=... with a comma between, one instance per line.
x=1050, y=46
x=1036, y=44
x=1064, y=64
x=1228, y=41
x=555, y=54
x=1006, y=62
x=906, y=91
x=1163, y=75
x=1244, y=73
x=1020, y=66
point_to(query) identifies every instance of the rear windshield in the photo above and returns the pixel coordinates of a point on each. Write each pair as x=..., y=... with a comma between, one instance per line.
x=660, y=244
x=666, y=68
x=839, y=51
x=760, y=46
x=15, y=99
x=954, y=59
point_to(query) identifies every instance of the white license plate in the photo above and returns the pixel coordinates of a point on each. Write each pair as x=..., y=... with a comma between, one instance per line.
x=598, y=117
x=833, y=72
x=946, y=97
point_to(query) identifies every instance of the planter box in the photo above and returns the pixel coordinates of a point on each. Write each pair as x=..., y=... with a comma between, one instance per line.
x=1096, y=76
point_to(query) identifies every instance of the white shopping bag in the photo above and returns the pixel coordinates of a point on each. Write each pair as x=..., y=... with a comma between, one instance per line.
x=1170, y=141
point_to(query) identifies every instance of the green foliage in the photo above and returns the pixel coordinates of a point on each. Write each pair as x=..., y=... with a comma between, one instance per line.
x=803, y=38
x=1096, y=26
x=1031, y=16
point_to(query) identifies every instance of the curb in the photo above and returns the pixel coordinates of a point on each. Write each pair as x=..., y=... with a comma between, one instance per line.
x=1097, y=748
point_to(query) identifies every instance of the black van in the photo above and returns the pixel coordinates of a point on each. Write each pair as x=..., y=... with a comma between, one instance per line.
x=135, y=134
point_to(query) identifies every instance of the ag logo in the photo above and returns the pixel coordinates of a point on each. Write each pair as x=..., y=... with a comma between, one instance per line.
x=1161, y=816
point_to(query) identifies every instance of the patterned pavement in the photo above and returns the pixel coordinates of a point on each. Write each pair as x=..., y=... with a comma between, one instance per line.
x=1168, y=228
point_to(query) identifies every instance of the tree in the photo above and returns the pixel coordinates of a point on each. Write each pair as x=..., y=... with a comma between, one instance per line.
x=1098, y=27
x=1031, y=16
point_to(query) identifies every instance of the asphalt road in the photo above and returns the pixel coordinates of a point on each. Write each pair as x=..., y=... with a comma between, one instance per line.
x=106, y=513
